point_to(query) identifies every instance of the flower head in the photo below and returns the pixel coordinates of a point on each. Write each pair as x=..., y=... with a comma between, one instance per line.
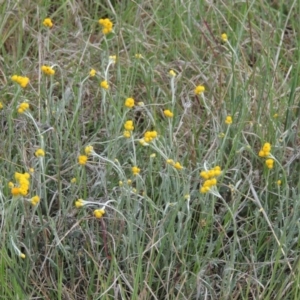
x=1, y=105
x=270, y=163
x=199, y=89
x=82, y=159
x=178, y=166
x=21, y=80
x=129, y=125
x=104, y=84
x=88, y=150
x=224, y=37
x=35, y=200
x=39, y=153
x=107, y=25
x=149, y=136
x=168, y=113
x=48, y=22
x=98, y=213
x=172, y=73
x=127, y=134
x=138, y=55
x=48, y=70
x=129, y=102
x=265, y=150
x=79, y=203
x=135, y=170
x=92, y=72
x=23, y=107
x=228, y=120
x=112, y=59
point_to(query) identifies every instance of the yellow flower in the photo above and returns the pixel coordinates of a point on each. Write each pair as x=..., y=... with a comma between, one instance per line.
x=168, y=113
x=106, y=24
x=48, y=70
x=270, y=163
x=138, y=55
x=275, y=116
x=120, y=183
x=15, y=191
x=265, y=151
x=172, y=73
x=98, y=213
x=129, y=125
x=199, y=89
x=224, y=37
x=39, y=153
x=48, y=22
x=170, y=162
x=178, y=166
x=279, y=182
x=79, y=203
x=92, y=72
x=82, y=159
x=23, y=107
x=22, y=255
x=127, y=134
x=153, y=155
x=11, y=185
x=129, y=102
x=73, y=180
x=31, y=170
x=1, y=105
x=135, y=170
x=104, y=84
x=129, y=181
x=149, y=136
x=112, y=58
x=35, y=200
x=88, y=150
x=21, y=80
x=228, y=120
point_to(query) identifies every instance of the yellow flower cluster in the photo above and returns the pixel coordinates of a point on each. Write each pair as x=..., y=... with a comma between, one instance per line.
x=39, y=153
x=98, y=213
x=35, y=200
x=128, y=127
x=176, y=165
x=265, y=151
x=149, y=136
x=210, y=178
x=21, y=80
x=228, y=120
x=135, y=170
x=104, y=84
x=48, y=22
x=199, y=89
x=224, y=37
x=48, y=70
x=88, y=150
x=270, y=163
x=82, y=159
x=129, y=102
x=23, y=184
x=92, y=72
x=107, y=25
x=23, y=107
x=172, y=73
x=1, y=105
x=168, y=113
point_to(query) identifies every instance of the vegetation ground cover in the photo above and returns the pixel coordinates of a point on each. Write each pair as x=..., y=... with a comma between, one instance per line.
x=149, y=149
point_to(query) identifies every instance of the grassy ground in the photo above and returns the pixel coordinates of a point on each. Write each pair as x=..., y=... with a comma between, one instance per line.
x=160, y=237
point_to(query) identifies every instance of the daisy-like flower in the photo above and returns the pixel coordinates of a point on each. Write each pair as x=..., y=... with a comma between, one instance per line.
x=39, y=153
x=168, y=113
x=21, y=80
x=104, y=84
x=98, y=213
x=135, y=170
x=107, y=25
x=48, y=70
x=228, y=120
x=92, y=72
x=224, y=37
x=199, y=89
x=129, y=125
x=129, y=102
x=82, y=159
x=48, y=22
x=23, y=107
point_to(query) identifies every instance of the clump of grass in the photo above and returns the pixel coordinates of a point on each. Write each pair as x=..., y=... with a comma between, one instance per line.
x=149, y=151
